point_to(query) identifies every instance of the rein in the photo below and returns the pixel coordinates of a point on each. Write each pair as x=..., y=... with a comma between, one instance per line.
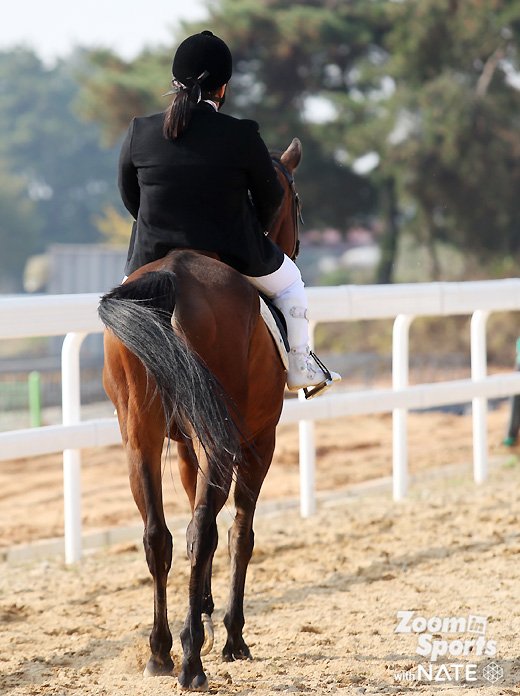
x=296, y=204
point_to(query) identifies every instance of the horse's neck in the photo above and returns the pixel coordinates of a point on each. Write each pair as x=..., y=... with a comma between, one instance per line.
x=283, y=237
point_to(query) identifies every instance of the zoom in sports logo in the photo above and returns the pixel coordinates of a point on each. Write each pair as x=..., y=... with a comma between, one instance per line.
x=446, y=642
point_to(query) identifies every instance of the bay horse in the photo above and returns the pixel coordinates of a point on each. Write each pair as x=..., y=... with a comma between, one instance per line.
x=188, y=357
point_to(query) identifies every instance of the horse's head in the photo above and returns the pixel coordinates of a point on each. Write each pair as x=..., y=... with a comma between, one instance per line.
x=284, y=230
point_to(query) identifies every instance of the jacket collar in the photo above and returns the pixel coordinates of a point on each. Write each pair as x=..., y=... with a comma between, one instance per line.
x=205, y=106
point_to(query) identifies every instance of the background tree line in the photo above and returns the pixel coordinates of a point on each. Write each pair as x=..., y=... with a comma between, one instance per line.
x=409, y=114
x=55, y=175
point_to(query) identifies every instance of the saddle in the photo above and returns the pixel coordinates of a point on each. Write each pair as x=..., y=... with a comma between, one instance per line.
x=275, y=322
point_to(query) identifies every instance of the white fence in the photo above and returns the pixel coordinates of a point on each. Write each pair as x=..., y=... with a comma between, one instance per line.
x=76, y=316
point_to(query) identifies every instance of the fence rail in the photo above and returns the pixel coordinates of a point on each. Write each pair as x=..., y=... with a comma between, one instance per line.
x=75, y=316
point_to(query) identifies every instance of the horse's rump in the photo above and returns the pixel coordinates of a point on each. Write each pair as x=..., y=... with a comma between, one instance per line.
x=139, y=313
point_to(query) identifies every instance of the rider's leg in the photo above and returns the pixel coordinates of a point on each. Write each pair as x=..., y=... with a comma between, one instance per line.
x=286, y=290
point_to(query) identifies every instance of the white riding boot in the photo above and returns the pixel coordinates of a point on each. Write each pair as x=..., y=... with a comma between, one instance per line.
x=305, y=369
x=286, y=290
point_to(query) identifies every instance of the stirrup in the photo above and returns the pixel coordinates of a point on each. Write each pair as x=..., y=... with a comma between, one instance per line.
x=311, y=392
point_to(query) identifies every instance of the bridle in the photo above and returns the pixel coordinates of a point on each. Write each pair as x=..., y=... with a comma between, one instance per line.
x=296, y=204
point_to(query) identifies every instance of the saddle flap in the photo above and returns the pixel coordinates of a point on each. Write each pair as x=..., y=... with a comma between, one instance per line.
x=275, y=323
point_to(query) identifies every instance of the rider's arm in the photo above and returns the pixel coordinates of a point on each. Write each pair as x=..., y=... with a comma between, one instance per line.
x=127, y=179
x=266, y=190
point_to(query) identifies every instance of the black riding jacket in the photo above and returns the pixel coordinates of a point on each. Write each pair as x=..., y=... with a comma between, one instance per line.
x=212, y=189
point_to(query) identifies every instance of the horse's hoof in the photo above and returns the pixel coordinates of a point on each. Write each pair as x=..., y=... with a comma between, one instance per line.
x=240, y=652
x=208, y=635
x=198, y=683
x=153, y=669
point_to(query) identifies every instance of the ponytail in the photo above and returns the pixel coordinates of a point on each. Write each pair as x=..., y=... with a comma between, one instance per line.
x=178, y=114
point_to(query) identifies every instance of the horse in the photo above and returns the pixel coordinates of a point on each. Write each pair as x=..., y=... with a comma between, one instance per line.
x=189, y=359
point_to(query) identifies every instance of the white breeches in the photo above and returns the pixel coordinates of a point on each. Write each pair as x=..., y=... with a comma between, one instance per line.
x=286, y=289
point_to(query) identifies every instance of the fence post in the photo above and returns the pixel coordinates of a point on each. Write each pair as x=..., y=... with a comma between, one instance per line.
x=400, y=363
x=35, y=399
x=71, y=413
x=479, y=404
x=307, y=445
x=514, y=418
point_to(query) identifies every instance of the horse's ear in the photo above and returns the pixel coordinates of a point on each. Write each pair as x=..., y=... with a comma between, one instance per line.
x=292, y=156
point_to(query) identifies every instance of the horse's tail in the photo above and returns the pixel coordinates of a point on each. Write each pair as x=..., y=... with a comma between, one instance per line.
x=139, y=313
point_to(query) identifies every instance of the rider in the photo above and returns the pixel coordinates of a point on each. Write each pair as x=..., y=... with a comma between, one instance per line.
x=195, y=178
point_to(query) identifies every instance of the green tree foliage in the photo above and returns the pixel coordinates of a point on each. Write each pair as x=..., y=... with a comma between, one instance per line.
x=116, y=90
x=18, y=229
x=464, y=147
x=445, y=122
x=45, y=143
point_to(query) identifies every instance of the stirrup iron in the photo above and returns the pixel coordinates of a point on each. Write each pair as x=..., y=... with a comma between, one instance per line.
x=311, y=392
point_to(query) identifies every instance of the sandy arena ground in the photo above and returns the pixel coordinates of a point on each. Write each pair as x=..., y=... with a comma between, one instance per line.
x=349, y=451
x=322, y=594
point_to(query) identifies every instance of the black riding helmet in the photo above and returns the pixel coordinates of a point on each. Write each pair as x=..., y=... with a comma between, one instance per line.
x=203, y=59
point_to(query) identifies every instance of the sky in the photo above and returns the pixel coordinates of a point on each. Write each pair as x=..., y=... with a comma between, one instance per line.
x=54, y=27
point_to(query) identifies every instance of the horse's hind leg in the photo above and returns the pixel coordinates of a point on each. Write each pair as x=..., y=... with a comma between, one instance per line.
x=188, y=469
x=144, y=449
x=241, y=539
x=142, y=432
x=201, y=537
